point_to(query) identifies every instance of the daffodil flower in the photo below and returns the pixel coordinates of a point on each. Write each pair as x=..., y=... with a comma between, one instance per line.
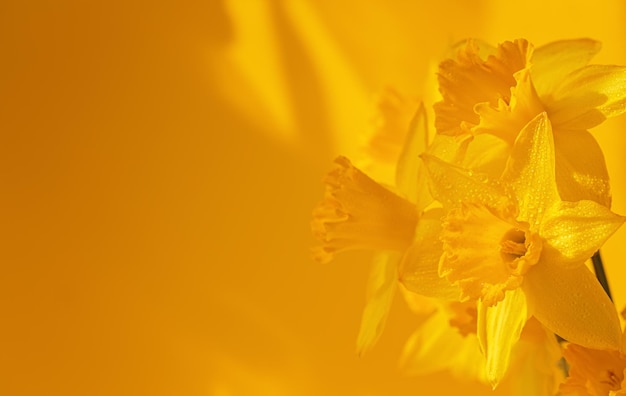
x=514, y=246
x=359, y=213
x=498, y=91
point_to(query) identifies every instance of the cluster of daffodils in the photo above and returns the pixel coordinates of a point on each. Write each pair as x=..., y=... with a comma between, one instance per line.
x=491, y=219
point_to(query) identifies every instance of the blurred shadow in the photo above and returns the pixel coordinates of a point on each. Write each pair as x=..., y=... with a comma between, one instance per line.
x=304, y=85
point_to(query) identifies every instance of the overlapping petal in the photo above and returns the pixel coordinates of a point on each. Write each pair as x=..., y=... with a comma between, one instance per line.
x=554, y=60
x=452, y=184
x=435, y=346
x=588, y=96
x=507, y=118
x=581, y=173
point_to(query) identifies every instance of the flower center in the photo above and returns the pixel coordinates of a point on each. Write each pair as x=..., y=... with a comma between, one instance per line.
x=486, y=252
x=513, y=245
x=612, y=380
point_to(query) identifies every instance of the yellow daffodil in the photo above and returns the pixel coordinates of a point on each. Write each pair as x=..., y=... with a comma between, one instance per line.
x=498, y=91
x=359, y=213
x=520, y=208
x=517, y=248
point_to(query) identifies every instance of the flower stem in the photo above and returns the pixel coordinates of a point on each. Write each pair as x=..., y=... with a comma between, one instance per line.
x=600, y=274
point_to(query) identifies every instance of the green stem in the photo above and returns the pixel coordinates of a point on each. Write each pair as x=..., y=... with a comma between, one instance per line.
x=598, y=268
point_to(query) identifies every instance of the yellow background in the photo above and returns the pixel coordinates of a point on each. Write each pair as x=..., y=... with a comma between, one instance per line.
x=158, y=165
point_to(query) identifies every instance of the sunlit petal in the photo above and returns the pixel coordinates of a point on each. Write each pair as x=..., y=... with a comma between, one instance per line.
x=499, y=328
x=531, y=170
x=554, y=60
x=575, y=230
x=572, y=304
x=581, y=174
x=452, y=184
x=588, y=96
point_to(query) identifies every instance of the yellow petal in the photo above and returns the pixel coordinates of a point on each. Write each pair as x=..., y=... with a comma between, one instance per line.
x=410, y=172
x=380, y=291
x=531, y=170
x=535, y=366
x=587, y=97
x=499, y=329
x=488, y=154
x=552, y=61
x=419, y=269
x=574, y=231
x=572, y=304
x=450, y=149
x=451, y=184
x=436, y=346
x=581, y=173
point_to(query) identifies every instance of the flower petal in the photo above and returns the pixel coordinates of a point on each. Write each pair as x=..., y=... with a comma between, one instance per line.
x=419, y=269
x=587, y=97
x=572, y=304
x=436, y=346
x=575, y=230
x=552, y=61
x=488, y=154
x=531, y=170
x=410, y=172
x=451, y=184
x=535, y=366
x=380, y=291
x=581, y=174
x=499, y=329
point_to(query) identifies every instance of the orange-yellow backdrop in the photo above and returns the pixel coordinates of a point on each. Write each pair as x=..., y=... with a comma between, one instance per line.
x=158, y=164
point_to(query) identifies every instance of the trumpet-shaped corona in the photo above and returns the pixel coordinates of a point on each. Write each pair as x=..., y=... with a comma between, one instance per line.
x=358, y=213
